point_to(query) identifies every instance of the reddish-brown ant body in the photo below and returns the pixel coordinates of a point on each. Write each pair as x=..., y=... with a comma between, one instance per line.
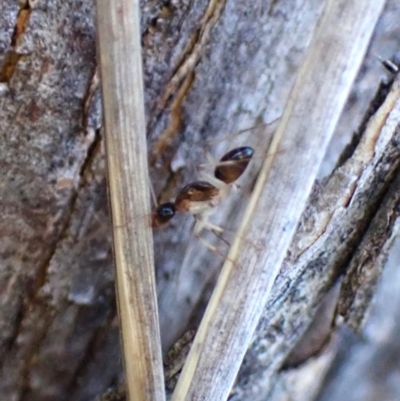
x=199, y=197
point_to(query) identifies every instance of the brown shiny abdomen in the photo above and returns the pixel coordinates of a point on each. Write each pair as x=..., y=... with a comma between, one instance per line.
x=239, y=158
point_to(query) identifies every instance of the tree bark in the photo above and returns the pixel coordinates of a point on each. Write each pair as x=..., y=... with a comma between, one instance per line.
x=210, y=69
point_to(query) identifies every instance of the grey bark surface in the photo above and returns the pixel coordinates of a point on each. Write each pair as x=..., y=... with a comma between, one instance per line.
x=210, y=69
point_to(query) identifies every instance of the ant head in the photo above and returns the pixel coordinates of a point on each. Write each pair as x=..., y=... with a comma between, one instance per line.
x=163, y=214
x=236, y=162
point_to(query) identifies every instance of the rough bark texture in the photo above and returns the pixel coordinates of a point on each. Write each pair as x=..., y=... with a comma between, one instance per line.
x=210, y=68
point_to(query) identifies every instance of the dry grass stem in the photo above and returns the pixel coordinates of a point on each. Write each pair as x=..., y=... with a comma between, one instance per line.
x=307, y=125
x=347, y=227
x=121, y=72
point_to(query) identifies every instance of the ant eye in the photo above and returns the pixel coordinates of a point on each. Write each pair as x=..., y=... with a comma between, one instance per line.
x=163, y=215
x=167, y=210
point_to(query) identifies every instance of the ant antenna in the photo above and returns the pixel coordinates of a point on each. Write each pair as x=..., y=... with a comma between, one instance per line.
x=244, y=130
x=153, y=194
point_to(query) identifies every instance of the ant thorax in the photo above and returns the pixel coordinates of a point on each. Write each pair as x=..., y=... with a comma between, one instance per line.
x=197, y=197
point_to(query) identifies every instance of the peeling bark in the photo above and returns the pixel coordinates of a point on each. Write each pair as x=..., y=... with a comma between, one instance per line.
x=210, y=69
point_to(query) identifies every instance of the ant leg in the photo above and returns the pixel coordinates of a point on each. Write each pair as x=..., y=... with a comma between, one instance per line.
x=210, y=246
x=188, y=259
x=217, y=230
x=224, y=188
x=241, y=132
x=212, y=162
x=215, y=249
x=219, y=236
x=212, y=227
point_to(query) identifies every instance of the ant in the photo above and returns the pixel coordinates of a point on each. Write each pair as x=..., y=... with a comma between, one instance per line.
x=199, y=197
